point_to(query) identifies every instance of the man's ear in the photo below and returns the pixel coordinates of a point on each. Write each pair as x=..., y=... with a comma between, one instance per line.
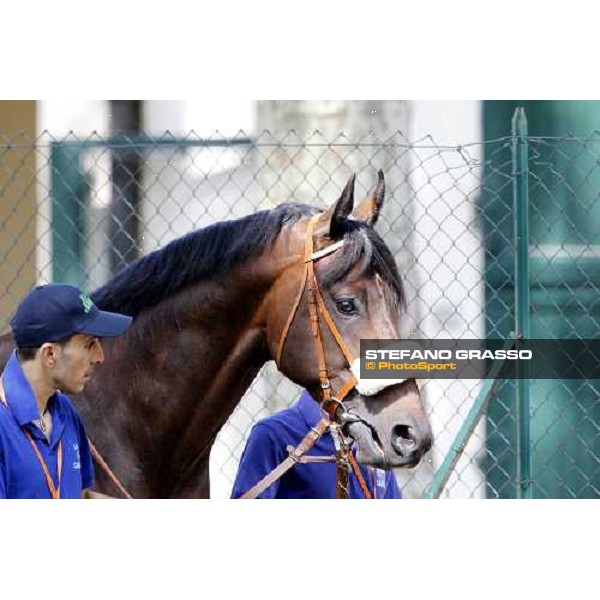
x=369, y=208
x=48, y=353
x=334, y=219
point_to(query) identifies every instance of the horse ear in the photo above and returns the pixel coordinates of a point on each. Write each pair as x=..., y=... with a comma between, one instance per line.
x=368, y=210
x=338, y=214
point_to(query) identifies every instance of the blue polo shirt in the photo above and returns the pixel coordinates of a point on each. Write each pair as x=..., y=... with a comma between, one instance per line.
x=21, y=474
x=266, y=448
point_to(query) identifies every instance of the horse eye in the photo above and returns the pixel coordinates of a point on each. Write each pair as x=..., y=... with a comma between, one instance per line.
x=346, y=307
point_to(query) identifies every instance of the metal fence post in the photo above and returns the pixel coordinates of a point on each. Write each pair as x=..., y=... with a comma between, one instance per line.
x=521, y=203
x=468, y=427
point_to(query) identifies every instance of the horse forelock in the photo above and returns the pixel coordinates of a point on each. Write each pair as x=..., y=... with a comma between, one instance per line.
x=365, y=248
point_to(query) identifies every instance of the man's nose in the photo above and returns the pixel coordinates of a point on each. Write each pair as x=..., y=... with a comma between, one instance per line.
x=99, y=358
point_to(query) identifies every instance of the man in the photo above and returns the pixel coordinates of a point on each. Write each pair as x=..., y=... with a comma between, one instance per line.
x=44, y=451
x=267, y=447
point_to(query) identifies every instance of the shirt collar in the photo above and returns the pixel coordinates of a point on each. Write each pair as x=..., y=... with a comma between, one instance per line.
x=19, y=395
x=309, y=408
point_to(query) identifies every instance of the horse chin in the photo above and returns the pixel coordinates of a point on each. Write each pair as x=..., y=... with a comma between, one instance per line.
x=369, y=450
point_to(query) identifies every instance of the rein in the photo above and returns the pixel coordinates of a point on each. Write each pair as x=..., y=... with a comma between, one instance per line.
x=104, y=466
x=332, y=402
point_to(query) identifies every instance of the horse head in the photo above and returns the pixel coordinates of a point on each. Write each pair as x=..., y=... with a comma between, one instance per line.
x=345, y=270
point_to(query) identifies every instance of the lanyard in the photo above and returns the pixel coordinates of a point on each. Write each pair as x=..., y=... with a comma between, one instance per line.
x=54, y=490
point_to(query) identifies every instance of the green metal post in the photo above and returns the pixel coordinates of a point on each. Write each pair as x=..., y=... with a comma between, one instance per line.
x=70, y=192
x=521, y=203
x=468, y=427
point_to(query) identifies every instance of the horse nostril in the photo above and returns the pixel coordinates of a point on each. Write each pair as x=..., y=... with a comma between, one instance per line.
x=427, y=442
x=404, y=439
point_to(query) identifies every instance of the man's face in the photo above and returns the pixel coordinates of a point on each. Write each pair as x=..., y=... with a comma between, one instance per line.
x=75, y=362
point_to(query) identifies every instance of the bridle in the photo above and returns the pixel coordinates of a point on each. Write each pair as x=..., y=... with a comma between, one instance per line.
x=336, y=415
x=316, y=306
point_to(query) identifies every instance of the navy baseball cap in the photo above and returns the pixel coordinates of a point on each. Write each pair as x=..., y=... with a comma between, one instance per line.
x=50, y=313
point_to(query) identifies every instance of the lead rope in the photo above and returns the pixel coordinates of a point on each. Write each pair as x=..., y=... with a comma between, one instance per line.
x=104, y=466
x=342, y=465
x=294, y=456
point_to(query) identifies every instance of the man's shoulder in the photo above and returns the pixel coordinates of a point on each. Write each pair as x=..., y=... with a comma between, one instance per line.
x=284, y=417
x=5, y=415
x=282, y=421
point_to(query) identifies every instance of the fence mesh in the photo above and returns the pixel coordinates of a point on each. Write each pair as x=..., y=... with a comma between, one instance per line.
x=76, y=210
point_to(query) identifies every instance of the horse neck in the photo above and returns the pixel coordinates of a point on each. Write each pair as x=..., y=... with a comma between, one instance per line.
x=211, y=344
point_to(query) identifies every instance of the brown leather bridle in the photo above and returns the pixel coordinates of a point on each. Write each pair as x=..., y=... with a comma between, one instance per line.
x=316, y=306
x=331, y=403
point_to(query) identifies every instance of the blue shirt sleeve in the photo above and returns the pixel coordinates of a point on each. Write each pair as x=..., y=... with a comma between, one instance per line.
x=263, y=452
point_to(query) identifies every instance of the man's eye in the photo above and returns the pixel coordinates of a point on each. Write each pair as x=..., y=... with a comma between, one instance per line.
x=346, y=307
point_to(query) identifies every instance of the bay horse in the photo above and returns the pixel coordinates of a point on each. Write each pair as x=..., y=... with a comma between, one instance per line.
x=209, y=309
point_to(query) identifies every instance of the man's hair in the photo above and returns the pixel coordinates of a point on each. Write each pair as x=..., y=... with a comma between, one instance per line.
x=26, y=354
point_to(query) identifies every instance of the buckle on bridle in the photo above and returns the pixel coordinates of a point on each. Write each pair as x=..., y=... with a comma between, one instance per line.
x=338, y=405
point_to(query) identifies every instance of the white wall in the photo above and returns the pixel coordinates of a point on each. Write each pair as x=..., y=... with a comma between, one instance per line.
x=205, y=117
x=65, y=119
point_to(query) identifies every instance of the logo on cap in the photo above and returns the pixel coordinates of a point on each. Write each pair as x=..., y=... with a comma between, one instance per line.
x=86, y=302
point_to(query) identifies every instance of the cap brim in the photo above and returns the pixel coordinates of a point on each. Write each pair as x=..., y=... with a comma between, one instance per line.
x=107, y=324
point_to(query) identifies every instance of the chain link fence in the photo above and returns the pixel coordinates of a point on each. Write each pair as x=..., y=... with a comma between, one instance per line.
x=76, y=210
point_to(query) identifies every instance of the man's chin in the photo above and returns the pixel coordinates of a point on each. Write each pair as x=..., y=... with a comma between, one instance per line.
x=72, y=390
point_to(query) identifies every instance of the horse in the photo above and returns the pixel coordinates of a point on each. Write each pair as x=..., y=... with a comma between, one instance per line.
x=208, y=312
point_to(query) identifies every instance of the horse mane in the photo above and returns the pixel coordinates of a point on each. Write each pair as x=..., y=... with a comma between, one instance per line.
x=199, y=255
x=216, y=249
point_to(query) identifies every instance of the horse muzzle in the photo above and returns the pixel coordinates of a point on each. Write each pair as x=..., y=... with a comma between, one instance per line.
x=390, y=430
